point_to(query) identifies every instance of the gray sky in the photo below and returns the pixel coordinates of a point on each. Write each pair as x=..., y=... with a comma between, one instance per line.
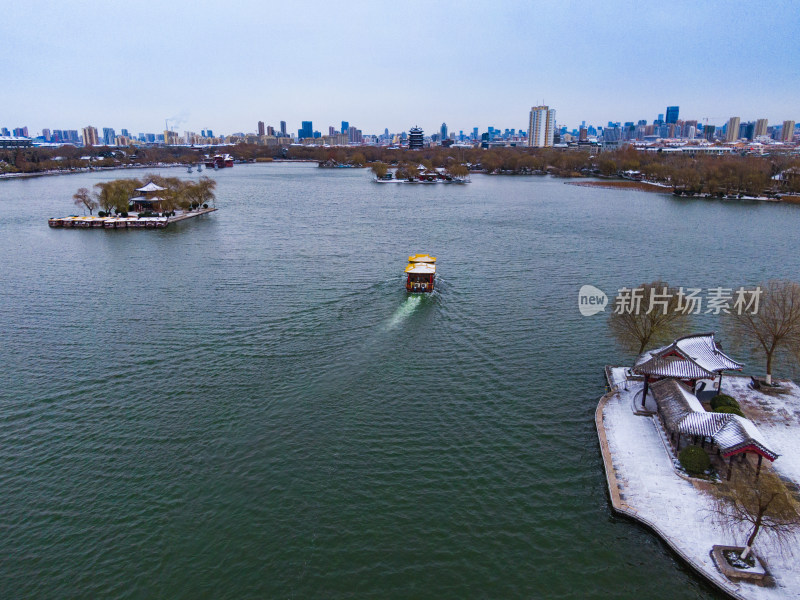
x=227, y=65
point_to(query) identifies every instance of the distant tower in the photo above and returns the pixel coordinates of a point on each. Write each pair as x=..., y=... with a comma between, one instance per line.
x=732, y=132
x=345, y=126
x=541, y=127
x=787, y=131
x=261, y=128
x=283, y=128
x=761, y=128
x=444, y=131
x=415, y=137
x=90, y=136
x=672, y=114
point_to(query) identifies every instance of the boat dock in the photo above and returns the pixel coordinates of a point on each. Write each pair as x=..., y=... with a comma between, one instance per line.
x=126, y=222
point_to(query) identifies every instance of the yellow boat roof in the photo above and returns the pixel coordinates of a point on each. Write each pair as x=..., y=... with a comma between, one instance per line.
x=421, y=268
x=422, y=258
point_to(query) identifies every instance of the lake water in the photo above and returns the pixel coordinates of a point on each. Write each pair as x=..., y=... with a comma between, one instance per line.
x=249, y=405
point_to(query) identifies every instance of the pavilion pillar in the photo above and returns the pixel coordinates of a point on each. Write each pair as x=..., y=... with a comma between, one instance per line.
x=730, y=467
x=720, y=383
x=758, y=469
x=644, y=394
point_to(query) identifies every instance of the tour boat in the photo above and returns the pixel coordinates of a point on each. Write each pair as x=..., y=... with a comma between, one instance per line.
x=218, y=161
x=420, y=273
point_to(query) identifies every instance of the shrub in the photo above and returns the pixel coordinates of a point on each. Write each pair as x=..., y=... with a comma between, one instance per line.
x=723, y=400
x=731, y=410
x=694, y=459
x=101, y=213
x=124, y=214
x=205, y=205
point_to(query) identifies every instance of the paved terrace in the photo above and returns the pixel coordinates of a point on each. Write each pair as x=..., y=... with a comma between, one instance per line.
x=644, y=484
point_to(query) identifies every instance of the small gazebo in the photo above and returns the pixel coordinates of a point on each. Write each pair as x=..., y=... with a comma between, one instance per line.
x=689, y=359
x=149, y=200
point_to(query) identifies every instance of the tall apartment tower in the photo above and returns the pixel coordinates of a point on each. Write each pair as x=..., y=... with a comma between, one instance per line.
x=787, y=132
x=732, y=132
x=761, y=128
x=443, y=131
x=261, y=128
x=541, y=127
x=90, y=136
x=283, y=128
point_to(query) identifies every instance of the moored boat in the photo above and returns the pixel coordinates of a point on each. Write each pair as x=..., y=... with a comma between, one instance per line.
x=420, y=273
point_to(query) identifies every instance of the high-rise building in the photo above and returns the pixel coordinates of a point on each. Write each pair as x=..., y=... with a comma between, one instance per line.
x=109, y=136
x=415, y=138
x=261, y=128
x=541, y=126
x=90, y=136
x=354, y=135
x=331, y=130
x=732, y=132
x=443, y=131
x=270, y=130
x=47, y=135
x=747, y=130
x=4, y=131
x=345, y=126
x=283, y=128
x=124, y=132
x=583, y=134
x=672, y=114
x=761, y=128
x=787, y=131
x=21, y=131
x=475, y=133
x=306, y=131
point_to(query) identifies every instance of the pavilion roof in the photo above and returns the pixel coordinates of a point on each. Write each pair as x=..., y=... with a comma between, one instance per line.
x=740, y=434
x=682, y=412
x=674, y=401
x=150, y=187
x=691, y=357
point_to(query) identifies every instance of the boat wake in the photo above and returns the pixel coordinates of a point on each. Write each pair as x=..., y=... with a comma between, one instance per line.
x=404, y=311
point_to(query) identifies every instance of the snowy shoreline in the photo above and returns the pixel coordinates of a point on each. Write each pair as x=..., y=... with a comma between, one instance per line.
x=88, y=170
x=644, y=485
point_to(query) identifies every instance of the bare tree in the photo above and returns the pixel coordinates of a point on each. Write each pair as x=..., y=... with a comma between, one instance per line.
x=757, y=503
x=380, y=169
x=654, y=313
x=84, y=198
x=775, y=325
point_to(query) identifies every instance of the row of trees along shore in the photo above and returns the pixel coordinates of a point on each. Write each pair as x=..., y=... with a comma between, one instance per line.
x=712, y=175
x=115, y=195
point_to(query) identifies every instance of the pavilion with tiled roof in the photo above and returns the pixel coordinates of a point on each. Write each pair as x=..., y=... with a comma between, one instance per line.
x=689, y=359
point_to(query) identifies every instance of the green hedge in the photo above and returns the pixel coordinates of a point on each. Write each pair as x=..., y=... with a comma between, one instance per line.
x=695, y=460
x=723, y=400
x=731, y=410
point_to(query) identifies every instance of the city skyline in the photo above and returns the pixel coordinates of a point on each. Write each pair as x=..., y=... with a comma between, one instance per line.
x=202, y=68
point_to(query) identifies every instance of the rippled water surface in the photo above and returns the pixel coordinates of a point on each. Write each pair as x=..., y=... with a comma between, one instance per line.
x=249, y=405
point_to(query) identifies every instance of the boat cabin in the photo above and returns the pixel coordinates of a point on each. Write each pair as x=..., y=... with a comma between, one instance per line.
x=420, y=273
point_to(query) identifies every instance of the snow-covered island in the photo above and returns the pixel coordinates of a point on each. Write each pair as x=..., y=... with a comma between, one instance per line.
x=641, y=441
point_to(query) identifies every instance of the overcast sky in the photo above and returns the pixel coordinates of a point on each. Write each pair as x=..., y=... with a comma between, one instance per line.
x=227, y=65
